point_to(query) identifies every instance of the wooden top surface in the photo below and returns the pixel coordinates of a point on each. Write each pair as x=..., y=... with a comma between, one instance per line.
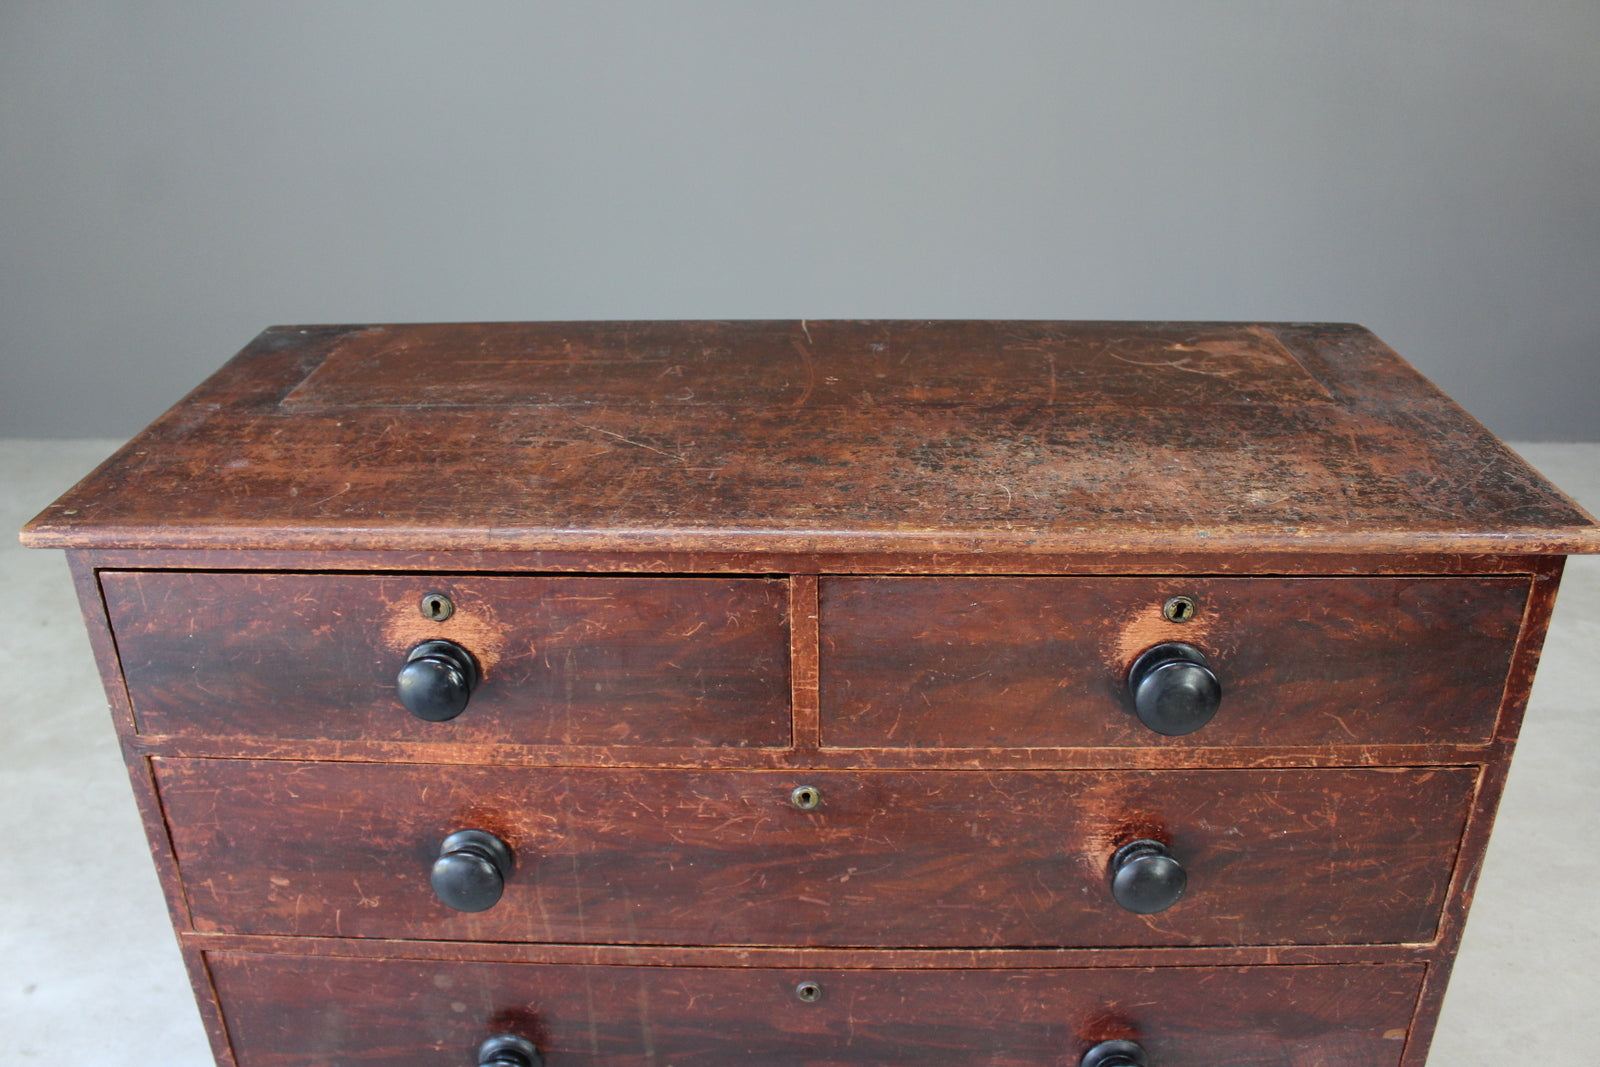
x=1050, y=437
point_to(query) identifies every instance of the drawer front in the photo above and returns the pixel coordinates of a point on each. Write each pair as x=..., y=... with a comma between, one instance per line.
x=288, y=1011
x=892, y=859
x=564, y=661
x=1042, y=662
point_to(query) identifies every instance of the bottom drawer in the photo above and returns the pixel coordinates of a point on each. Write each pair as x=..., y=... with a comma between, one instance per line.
x=303, y=1011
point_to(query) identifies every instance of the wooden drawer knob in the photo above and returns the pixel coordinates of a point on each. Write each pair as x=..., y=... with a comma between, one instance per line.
x=1145, y=878
x=1174, y=691
x=508, y=1050
x=1115, y=1054
x=437, y=680
x=470, y=873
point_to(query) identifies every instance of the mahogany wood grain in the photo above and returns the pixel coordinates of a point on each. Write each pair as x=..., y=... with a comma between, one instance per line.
x=747, y=957
x=134, y=759
x=931, y=437
x=1041, y=662
x=287, y=1011
x=1475, y=839
x=804, y=653
x=86, y=583
x=896, y=859
x=825, y=365
x=800, y=761
x=566, y=660
x=668, y=562
x=198, y=963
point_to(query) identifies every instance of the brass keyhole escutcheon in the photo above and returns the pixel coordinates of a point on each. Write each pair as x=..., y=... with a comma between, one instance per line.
x=808, y=992
x=437, y=607
x=806, y=797
x=1179, y=609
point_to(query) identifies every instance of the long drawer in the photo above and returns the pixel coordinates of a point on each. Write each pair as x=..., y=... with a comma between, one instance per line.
x=920, y=662
x=887, y=859
x=616, y=661
x=299, y=1011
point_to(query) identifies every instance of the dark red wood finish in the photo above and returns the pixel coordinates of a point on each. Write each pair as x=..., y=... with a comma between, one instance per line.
x=289, y=1011
x=1042, y=662
x=969, y=437
x=818, y=365
x=867, y=563
x=611, y=661
x=892, y=859
x=1475, y=842
x=904, y=563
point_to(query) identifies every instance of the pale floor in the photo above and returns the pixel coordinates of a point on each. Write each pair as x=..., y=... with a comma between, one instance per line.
x=89, y=972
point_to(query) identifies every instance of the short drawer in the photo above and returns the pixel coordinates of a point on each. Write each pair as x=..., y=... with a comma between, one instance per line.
x=298, y=1011
x=563, y=660
x=881, y=858
x=1043, y=662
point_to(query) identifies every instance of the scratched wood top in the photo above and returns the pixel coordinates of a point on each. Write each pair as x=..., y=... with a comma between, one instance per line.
x=825, y=437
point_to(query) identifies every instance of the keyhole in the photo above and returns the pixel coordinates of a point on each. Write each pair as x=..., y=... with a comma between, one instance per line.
x=806, y=797
x=1178, y=609
x=808, y=992
x=437, y=607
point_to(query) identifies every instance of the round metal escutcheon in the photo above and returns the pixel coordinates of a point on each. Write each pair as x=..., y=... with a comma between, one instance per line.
x=1179, y=609
x=806, y=797
x=437, y=607
x=808, y=992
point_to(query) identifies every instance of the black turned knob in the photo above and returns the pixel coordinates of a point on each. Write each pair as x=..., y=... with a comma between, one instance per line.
x=437, y=680
x=1115, y=1054
x=509, y=1050
x=1145, y=878
x=1173, y=689
x=470, y=873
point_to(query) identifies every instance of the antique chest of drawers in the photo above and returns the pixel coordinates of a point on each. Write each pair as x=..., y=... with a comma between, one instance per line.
x=1098, y=694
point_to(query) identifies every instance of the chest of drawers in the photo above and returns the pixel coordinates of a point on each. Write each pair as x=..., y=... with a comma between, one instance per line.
x=1009, y=693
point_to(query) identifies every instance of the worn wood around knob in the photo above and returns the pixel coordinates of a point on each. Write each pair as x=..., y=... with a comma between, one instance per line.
x=690, y=856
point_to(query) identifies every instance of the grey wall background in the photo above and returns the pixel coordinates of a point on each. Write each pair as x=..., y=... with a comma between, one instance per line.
x=174, y=177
